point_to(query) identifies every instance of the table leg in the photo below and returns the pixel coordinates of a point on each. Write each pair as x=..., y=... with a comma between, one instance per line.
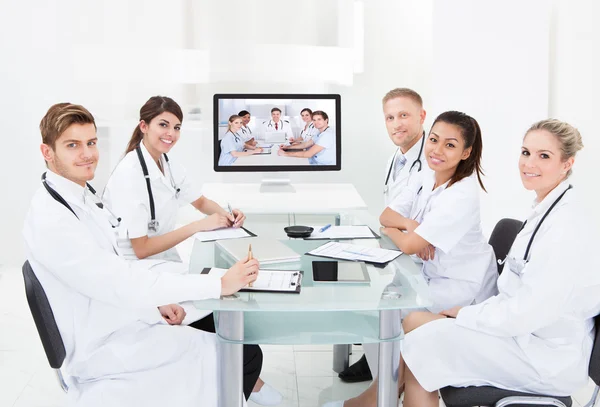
x=341, y=357
x=389, y=327
x=231, y=358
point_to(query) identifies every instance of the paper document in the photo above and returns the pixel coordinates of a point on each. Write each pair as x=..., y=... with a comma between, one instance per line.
x=343, y=232
x=265, y=250
x=263, y=145
x=355, y=252
x=268, y=280
x=222, y=234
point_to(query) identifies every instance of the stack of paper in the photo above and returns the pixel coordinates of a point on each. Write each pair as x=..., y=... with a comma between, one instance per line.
x=355, y=252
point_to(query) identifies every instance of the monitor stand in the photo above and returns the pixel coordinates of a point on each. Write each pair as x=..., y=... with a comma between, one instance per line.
x=277, y=183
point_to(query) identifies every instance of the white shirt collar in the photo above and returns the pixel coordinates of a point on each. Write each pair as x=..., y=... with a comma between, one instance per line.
x=543, y=206
x=412, y=154
x=69, y=190
x=153, y=170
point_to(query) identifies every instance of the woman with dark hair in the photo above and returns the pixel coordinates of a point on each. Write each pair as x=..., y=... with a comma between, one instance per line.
x=309, y=130
x=441, y=214
x=147, y=190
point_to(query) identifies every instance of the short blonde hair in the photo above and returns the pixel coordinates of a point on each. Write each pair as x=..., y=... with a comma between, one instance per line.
x=59, y=118
x=567, y=135
x=403, y=93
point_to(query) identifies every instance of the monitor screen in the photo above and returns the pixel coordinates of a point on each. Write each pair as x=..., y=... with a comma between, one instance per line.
x=277, y=132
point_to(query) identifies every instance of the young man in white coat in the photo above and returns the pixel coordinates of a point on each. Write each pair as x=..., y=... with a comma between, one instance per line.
x=404, y=117
x=113, y=315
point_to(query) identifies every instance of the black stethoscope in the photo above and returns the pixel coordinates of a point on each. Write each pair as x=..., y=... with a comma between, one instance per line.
x=114, y=222
x=386, y=187
x=537, y=227
x=244, y=130
x=153, y=224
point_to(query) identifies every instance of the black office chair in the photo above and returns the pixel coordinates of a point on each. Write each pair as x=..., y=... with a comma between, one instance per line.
x=502, y=238
x=45, y=322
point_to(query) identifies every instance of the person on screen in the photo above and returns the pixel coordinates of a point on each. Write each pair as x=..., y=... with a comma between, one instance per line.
x=309, y=130
x=232, y=144
x=246, y=133
x=276, y=124
x=320, y=149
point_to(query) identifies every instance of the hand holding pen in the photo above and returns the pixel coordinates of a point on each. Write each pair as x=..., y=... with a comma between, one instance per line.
x=237, y=217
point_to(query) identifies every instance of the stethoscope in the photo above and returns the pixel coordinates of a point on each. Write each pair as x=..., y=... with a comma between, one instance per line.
x=236, y=138
x=521, y=263
x=114, y=221
x=271, y=124
x=153, y=224
x=386, y=187
x=308, y=129
x=244, y=130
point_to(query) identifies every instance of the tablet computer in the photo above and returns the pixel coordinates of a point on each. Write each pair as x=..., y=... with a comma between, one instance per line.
x=340, y=272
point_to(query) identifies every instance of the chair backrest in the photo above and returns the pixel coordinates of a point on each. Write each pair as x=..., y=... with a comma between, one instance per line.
x=502, y=238
x=595, y=359
x=43, y=318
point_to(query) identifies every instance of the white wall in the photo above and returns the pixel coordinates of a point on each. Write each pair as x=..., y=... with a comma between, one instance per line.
x=36, y=42
x=492, y=63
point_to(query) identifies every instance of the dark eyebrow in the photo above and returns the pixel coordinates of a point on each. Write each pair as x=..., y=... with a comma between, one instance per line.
x=430, y=133
x=70, y=141
x=452, y=138
x=93, y=139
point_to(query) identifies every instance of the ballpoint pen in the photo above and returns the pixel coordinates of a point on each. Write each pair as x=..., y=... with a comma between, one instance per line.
x=358, y=253
x=249, y=258
x=324, y=228
x=231, y=212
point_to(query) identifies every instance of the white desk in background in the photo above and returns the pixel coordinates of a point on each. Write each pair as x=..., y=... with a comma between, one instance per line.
x=308, y=198
x=270, y=159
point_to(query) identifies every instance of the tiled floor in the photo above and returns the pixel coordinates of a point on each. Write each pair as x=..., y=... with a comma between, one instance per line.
x=302, y=373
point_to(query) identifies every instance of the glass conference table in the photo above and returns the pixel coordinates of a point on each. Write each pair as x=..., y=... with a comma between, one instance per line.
x=323, y=313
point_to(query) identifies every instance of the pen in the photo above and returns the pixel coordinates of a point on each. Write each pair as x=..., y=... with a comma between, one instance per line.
x=231, y=211
x=324, y=228
x=250, y=258
x=358, y=253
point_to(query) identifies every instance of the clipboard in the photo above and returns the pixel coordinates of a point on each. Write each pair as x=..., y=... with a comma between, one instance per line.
x=338, y=249
x=265, y=151
x=249, y=234
x=294, y=287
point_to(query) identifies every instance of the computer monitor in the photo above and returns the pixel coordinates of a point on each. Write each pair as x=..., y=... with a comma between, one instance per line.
x=285, y=132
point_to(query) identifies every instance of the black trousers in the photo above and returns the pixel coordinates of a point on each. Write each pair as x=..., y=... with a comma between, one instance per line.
x=253, y=357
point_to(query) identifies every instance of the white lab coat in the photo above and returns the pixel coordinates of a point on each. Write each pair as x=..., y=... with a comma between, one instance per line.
x=283, y=126
x=536, y=335
x=463, y=270
x=393, y=186
x=126, y=194
x=246, y=133
x=119, y=350
x=309, y=132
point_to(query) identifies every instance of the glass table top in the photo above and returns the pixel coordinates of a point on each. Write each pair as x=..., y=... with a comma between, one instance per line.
x=399, y=285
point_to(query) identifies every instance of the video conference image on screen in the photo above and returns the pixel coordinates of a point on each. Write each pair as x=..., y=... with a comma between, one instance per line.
x=278, y=132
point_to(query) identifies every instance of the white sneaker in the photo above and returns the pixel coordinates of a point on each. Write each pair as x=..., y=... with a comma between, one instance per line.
x=267, y=396
x=339, y=403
